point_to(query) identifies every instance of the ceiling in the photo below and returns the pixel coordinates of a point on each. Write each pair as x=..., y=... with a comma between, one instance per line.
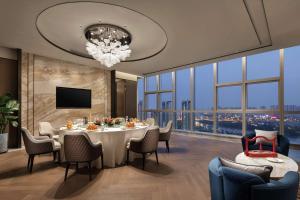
x=167, y=34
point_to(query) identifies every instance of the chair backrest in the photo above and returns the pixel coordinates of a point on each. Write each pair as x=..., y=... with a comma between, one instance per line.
x=45, y=128
x=150, y=140
x=150, y=121
x=32, y=146
x=27, y=138
x=166, y=132
x=215, y=179
x=77, y=147
x=169, y=125
x=286, y=188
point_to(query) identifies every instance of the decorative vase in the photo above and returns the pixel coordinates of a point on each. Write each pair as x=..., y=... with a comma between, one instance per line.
x=3, y=142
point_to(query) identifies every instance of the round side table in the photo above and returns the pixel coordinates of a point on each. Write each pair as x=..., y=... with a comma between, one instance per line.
x=279, y=169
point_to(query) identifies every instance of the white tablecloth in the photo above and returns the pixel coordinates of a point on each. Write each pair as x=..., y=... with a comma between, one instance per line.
x=113, y=140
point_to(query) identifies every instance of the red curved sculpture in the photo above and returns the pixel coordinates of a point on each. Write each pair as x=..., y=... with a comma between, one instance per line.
x=261, y=153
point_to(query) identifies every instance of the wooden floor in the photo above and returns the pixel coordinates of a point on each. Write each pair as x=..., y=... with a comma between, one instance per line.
x=182, y=174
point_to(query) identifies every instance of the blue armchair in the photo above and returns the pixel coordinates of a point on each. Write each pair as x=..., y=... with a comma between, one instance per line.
x=232, y=184
x=282, y=148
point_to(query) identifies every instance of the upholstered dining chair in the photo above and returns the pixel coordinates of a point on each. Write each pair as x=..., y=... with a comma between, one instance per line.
x=165, y=133
x=39, y=145
x=79, y=148
x=46, y=129
x=150, y=121
x=147, y=144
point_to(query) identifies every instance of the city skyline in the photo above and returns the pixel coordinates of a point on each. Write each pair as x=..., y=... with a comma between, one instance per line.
x=260, y=95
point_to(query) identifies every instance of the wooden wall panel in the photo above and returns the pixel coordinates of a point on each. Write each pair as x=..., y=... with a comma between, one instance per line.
x=44, y=74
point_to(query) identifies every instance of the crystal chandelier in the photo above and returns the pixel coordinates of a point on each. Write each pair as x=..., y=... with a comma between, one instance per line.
x=108, y=44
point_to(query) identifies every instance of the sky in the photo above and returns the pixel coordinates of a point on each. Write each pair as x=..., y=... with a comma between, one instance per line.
x=263, y=65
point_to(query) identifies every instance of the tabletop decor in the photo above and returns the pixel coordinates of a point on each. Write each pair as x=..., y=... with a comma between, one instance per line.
x=92, y=127
x=69, y=124
x=261, y=153
x=130, y=124
x=110, y=122
x=8, y=108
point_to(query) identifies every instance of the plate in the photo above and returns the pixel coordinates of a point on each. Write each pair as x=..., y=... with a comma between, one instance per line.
x=275, y=160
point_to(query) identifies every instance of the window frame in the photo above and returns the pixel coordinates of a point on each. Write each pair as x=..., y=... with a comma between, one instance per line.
x=244, y=95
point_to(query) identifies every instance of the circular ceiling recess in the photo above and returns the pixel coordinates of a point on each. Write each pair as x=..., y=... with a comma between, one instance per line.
x=64, y=25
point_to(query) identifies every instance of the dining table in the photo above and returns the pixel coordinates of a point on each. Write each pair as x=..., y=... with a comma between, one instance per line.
x=113, y=139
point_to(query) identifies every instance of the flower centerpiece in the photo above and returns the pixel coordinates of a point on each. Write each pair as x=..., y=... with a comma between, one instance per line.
x=98, y=122
x=108, y=121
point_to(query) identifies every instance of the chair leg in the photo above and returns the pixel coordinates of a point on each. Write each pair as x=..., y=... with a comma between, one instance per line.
x=102, y=162
x=90, y=171
x=76, y=166
x=58, y=153
x=54, y=156
x=144, y=157
x=167, y=145
x=28, y=162
x=127, y=160
x=66, y=172
x=31, y=164
x=156, y=157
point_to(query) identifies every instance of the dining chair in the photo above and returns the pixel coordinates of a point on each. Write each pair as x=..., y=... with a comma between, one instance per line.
x=79, y=148
x=147, y=144
x=150, y=121
x=46, y=129
x=165, y=133
x=39, y=145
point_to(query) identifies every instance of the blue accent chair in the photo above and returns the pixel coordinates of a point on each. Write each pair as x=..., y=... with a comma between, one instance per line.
x=282, y=148
x=231, y=184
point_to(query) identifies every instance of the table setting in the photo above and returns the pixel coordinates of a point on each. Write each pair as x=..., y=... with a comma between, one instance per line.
x=113, y=133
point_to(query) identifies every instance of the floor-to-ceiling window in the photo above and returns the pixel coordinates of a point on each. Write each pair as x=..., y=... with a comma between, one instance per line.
x=229, y=97
x=263, y=88
x=183, y=99
x=292, y=94
x=166, y=103
x=140, y=98
x=204, y=98
x=232, y=97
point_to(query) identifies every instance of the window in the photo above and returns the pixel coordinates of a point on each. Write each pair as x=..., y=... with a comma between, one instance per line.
x=203, y=122
x=151, y=83
x=263, y=65
x=164, y=118
x=267, y=122
x=229, y=123
x=191, y=104
x=166, y=101
x=152, y=114
x=182, y=120
x=230, y=71
x=140, y=94
x=166, y=81
x=292, y=79
x=292, y=127
x=204, y=87
x=229, y=97
x=183, y=101
x=151, y=101
x=263, y=96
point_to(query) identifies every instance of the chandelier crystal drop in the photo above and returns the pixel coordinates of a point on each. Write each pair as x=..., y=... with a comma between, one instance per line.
x=108, y=44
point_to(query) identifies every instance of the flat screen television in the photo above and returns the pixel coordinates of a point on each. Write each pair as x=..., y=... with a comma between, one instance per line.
x=73, y=98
